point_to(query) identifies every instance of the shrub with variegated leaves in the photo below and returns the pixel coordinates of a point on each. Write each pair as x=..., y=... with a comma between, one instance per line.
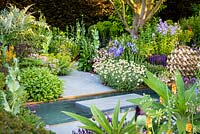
x=120, y=74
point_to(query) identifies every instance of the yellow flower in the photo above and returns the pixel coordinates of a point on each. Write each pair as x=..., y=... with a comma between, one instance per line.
x=188, y=127
x=149, y=132
x=169, y=131
x=10, y=53
x=11, y=48
x=173, y=88
x=161, y=100
x=149, y=122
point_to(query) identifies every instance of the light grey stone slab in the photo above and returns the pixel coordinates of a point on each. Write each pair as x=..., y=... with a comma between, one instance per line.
x=108, y=103
x=83, y=83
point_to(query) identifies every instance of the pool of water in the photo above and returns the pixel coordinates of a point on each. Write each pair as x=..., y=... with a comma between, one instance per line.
x=51, y=112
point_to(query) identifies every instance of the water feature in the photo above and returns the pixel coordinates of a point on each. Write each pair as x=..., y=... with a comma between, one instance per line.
x=51, y=112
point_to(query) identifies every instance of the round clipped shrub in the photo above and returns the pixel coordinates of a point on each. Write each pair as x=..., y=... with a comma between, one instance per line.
x=40, y=84
x=11, y=124
x=120, y=74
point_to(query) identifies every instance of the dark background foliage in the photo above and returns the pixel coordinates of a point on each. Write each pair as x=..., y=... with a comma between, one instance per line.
x=64, y=12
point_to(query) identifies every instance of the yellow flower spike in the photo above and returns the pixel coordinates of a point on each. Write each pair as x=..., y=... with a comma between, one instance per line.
x=188, y=127
x=173, y=88
x=149, y=122
x=161, y=100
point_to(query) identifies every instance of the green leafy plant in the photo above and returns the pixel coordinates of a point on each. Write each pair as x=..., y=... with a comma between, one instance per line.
x=40, y=84
x=15, y=124
x=17, y=26
x=102, y=125
x=65, y=64
x=31, y=62
x=12, y=100
x=2, y=81
x=120, y=74
x=30, y=118
x=178, y=108
x=88, y=49
x=192, y=24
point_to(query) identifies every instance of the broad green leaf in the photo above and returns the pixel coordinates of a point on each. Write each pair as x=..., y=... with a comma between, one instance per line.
x=190, y=94
x=100, y=118
x=163, y=128
x=156, y=85
x=115, y=115
x=82, y=119
x=181, y=123
x=180, y=89
x=5, y=102
x=129, y=129
x=122, y=122
x=136, y=101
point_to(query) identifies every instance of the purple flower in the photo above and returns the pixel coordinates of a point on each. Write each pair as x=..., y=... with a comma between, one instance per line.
x=132, y=46
x=116, y=42
x=138, y=111
x=193, y=80
x=112, y=49
x=119, y=51
x=186, y=80
x=158, y=60
x=197, y=90
x=163, y=28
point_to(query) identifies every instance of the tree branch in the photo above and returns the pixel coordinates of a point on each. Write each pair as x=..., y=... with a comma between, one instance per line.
x=122, y=16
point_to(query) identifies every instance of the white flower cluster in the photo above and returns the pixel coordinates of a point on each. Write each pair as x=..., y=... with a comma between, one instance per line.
x=120, y=74
x=101, y=56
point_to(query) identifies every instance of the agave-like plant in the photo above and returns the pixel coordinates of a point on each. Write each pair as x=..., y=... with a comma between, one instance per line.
x=177, y=109
x=102, y=126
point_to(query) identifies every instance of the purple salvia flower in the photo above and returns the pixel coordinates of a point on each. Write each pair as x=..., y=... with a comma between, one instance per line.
x=119, y=51
x=112, y=49
x=116, y=42
x=130, y=44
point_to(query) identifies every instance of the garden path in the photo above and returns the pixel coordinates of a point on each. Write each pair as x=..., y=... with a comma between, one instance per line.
x=79, y=84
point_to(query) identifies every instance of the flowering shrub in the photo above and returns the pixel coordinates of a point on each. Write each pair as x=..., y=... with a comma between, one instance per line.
x=123, y=48
x=166, y=37
x=121, y=74
x=101, y=56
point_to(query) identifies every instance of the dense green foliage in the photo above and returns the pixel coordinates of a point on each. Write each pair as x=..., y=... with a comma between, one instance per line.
x=177, y=109
x=192, y=23
x=40, y=84
x=2, y=81
x=11, y=124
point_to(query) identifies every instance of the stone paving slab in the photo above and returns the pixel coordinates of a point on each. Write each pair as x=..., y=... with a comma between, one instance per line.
x=108, y=103
x=83, y=83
